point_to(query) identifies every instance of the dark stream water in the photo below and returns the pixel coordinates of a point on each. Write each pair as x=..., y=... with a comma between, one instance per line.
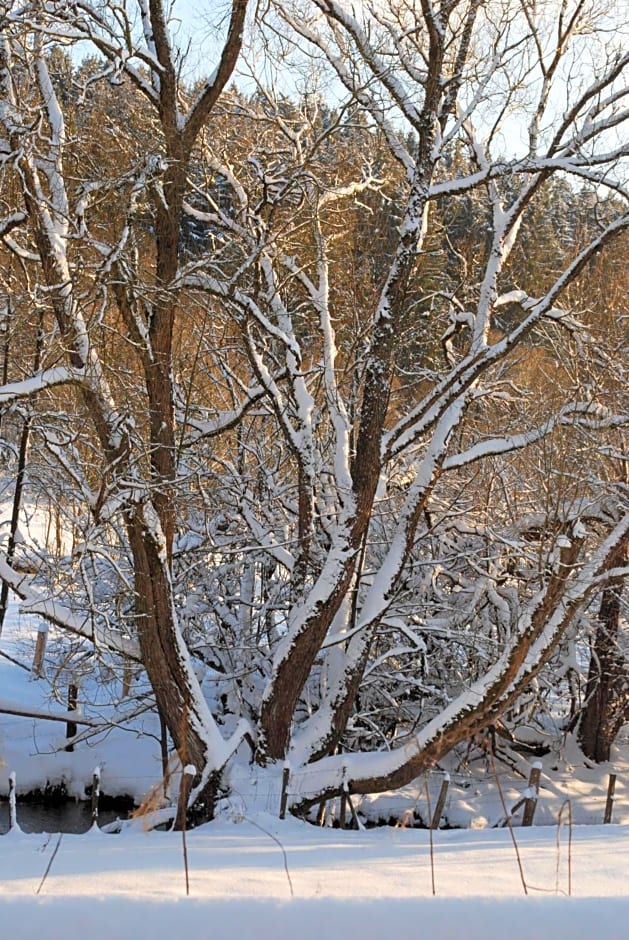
x=68, y=816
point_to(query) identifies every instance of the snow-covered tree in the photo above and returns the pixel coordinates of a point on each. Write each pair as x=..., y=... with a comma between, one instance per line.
x=79, y=269
x=309, y=418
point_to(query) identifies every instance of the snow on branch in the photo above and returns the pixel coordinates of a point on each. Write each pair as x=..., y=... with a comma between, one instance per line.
x=224, y=421
x=244, y=302
x=48, y=378
x=266, y=540
x=72, y=21
x=378, y=66
x=9, y=707
x=588, y=414
x=470, y=369
x=541, y=624
x=9, y=222
x=358, y=90
x=82, y=625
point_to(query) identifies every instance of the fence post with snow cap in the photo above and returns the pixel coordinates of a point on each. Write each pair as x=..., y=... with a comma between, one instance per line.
x=95, y=795
x=187, y=776
x=343, y=802
x=73, y=698
x=13, y=826
x=532, y=794
x=284, y=798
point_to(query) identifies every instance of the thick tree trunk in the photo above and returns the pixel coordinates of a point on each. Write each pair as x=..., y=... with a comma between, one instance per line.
x=151, y=524
x=278, y=707
x=607, y=689
x=169, y=671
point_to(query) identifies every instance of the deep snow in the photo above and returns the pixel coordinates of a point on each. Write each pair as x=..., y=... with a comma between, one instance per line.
x=373, y=884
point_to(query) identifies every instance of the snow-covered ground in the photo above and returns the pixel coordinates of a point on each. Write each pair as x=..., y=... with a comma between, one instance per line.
x=261, y=878
x=252, y=876
x=33, y=749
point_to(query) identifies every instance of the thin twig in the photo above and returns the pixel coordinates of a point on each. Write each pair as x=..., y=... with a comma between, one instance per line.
x=184, y=844
x=430, y=840
x=566, y=804
x=277, y=842
x=49, y=865
x=509, y=824
x=187, y=771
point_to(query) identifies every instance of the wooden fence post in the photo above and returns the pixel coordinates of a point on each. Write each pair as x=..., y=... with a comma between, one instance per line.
x=357, y=823
x=343, y=810
x=441, y=802
x=12, y=804
x=343, y=801
x=609, y=805
x=187, y=776
x=284, y=799
x=40, y=650
x=533, y=790
x=95, y=795
x=73, y=698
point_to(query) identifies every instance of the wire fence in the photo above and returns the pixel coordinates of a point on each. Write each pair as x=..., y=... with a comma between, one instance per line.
x=431, y=803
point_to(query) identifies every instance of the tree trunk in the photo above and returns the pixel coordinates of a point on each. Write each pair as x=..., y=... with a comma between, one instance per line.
x=168, y=667
x=607, y=689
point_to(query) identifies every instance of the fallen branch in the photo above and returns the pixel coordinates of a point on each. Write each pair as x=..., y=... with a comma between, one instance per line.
x=10, y=708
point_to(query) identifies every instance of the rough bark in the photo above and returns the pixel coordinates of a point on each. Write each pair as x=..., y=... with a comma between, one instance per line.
x=278, y=708
x=607, y=690
x=159, y=643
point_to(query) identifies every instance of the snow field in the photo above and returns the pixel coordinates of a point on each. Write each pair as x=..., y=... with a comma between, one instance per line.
x=376, y=883
x=329, y=919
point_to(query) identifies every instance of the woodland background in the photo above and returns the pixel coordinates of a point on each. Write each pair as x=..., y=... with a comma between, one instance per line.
x=314, y=360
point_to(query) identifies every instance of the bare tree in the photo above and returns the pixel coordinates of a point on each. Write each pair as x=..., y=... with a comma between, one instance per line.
x=55, y=218
x=321, y=369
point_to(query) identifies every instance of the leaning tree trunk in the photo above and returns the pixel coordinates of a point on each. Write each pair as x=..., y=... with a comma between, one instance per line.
x=168, y=666
x=607, y=689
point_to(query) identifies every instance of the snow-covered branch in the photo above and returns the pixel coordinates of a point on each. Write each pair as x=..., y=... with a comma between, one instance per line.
x=36, y=601
x=579, y=414
x=48, y=378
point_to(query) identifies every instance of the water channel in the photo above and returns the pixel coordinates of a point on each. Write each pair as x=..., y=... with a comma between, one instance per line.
x=60, y=816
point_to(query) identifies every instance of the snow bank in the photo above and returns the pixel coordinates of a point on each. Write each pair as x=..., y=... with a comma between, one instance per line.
x=436, y=918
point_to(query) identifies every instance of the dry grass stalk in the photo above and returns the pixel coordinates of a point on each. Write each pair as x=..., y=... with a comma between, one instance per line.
x=509, y=824
x=566, y=805
x=155, y=798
